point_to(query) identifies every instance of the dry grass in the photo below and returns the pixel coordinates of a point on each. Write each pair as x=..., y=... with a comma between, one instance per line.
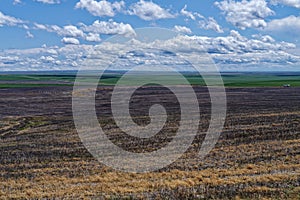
x=83, y=177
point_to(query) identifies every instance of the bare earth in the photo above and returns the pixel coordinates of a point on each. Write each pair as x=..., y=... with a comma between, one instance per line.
x=257, y=156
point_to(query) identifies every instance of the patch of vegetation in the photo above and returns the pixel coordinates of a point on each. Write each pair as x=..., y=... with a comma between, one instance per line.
x=32, y=123
x=27, y=85
x=230, y=80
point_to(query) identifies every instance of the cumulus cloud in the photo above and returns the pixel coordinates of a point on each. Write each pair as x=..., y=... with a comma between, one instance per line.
x=71, y=31
x=101, y=8
x=93, y=37
x=233, y=43
x=147, y=10
x=109, y=27
x=47, y=58
x=290, y=25
x=9, y=21
x=9, y=59
x=211, y=24
x=189, y=14
x=68, y=31
x=234, y=50
x=293, y=3
x=246, y=14
x=49, y=28
x=67, y=57
x=264, y=38
x=69, y=40
x=89, y=33
x=182, y=29
x=204, y=23
x=49, y=1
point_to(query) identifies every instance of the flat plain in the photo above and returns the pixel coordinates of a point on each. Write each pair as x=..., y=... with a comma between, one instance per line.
x=256, y=157
x=230, y=79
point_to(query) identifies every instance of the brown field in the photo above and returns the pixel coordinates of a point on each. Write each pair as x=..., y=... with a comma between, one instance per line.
x=256, y=157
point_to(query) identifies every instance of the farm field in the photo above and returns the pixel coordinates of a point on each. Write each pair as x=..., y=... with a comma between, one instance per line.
x=150, y=100
x=256, y=157
x=11, y=80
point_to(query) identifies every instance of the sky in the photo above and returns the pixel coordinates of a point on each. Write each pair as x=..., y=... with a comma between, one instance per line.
x=239, y=35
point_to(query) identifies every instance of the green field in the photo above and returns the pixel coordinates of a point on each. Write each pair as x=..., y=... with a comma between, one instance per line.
x=16, y=85
x=229, y=79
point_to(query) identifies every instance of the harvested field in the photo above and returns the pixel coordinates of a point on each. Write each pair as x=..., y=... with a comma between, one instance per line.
x=256, y=157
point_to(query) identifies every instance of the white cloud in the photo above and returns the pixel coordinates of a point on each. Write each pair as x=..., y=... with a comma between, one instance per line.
x=182, y=29
x=290, y=25
x=40, y=26
x=29, y=59
x=246, y=14
x=67, y=31
x=211, y=24
x=29, y=35
x=68, y=40
x=234, y=51
x=25, y=26
x=189, y=14
x=15, y=2
x=264, y=38
x=293, y=3
x=47, y=58
x=49, y=1
x=204, y=23
x=234, y=43
x=109, y=27
x=101, y=8
x=89, y=33
x=71, y=31
x=93, y=37
x=147, y=10
x=9, y=21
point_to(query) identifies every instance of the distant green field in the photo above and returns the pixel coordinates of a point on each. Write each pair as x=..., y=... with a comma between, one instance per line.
x=30, y=85
x=17, y=77
x=229, y=79
x=260, y=80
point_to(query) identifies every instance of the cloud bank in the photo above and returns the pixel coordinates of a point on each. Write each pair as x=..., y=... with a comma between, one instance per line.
x=233, y=51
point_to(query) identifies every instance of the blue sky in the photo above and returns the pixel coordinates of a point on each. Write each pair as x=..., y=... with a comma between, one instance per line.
x=240, y=35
